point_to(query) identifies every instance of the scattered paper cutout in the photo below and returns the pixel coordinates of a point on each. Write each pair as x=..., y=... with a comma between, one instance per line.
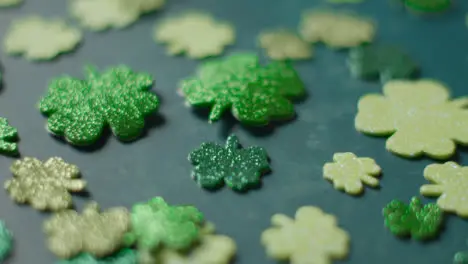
x=38, y=38
x=8, y=138
x=336, y=29
x=283, y=44
x=45, y=186
x=427, y=5
x=196, y=34
x=415, y=220
x=123, y=256
x=238, y=168
x=449, y=182
x=418, y=116
x=312, y=237
x=9, y=3
x=97, y=233
x=6, y=242
x=99, y=15
x=348, y=172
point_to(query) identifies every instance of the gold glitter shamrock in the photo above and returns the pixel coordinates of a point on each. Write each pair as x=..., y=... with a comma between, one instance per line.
x=41, y=39
x=8, y=3
x=336, y=29
x=347, y=172
x=98, y=233
x=418, y=116
x=45, y=186
x=450, y=183
x=313, y=237
x=8, y=138
x=98, y=15
x=196, y=34
x=282, y=44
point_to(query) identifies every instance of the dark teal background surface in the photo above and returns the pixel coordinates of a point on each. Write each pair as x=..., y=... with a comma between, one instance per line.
x=123, y=174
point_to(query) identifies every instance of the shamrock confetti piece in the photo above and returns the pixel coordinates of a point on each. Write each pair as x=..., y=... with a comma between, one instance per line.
x=99, y=15
x=41, y=39
x=255, y=94
x=45, y=186
x=124, y=256
x=427, y=5
x=336, y=29
x=6, y=241
x=450, y=182
x=312, y=237
x=415, y=220
x=79, y=110
x=99, y=234
x=8, y=3
x=384, y=62
x=156, y=224
x=238, y=168
x=461, y=258
x=347, y=172
x=8, y=138
x=282, y=44
x=409, y=107
x=196, y=34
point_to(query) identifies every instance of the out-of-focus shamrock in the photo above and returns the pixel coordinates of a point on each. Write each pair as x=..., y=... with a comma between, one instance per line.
x=79, y=110
x=97, y=233
x=282, y=44
x=427, y=5
x=461, y=257
x=415, y=220
x=124, y=256
x=8, y=137
x=8, y=3
x=45, y=186
x=239, y=168
x=6, y=241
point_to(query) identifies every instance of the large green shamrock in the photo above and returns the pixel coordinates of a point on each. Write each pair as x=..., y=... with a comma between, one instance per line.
x=156, y=224
x=238, y=168
x=418, y=221
x=255, y=94
x=79, y=110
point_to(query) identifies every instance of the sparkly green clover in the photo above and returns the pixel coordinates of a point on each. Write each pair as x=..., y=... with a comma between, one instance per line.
x=255, y=94
x=239, y=168
x=156, y=224
x=79, y=110
x=124, y=256
x=418, y=221
x=6, y=241
x=8, y=138
x=427, y=5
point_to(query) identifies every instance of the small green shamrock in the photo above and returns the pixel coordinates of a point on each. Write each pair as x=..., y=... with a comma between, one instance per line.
x=124, y=256
x=6, y=241
x=255, y=94
x=238, y=168
x=418, y=221
x=156, y=224
x=79, y=110
x=461, y=257
x=384, y=62
x=8, y=137
x=427, y=5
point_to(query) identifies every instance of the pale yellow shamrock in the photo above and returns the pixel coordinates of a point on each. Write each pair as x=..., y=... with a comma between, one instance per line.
x=347, y=172
x=196, y=34
x=7, y=3
x=41, y=39
x=312, y=238
x=450, y=183
x=336, y=29
x=282, y=44
x=418, y=116
x=98, y=15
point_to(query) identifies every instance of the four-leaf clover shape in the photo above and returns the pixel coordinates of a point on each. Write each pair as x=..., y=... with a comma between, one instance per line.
x=79, y=110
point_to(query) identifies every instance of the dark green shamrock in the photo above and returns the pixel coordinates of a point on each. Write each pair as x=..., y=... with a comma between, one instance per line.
x=124, y=256
x=79, y=110
x=418, y=221
x=238, y=168
x=156, y=224
x=8, y=138
x=6, y=241
x=384, y=62
x=255, y=94
x=427, y=5
x=461, y=258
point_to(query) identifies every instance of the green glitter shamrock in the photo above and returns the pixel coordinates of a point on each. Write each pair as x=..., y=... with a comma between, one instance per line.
x=384, y=62
x=79, y=110
x=255, y=94
x=238, y=168
x=8, y=137
x=6, y=241
x=418, y=221
x=156, y=224
x=124, y=256
x=427, y=5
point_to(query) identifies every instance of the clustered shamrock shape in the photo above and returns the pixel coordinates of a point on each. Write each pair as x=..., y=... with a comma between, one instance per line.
x=418, y=116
